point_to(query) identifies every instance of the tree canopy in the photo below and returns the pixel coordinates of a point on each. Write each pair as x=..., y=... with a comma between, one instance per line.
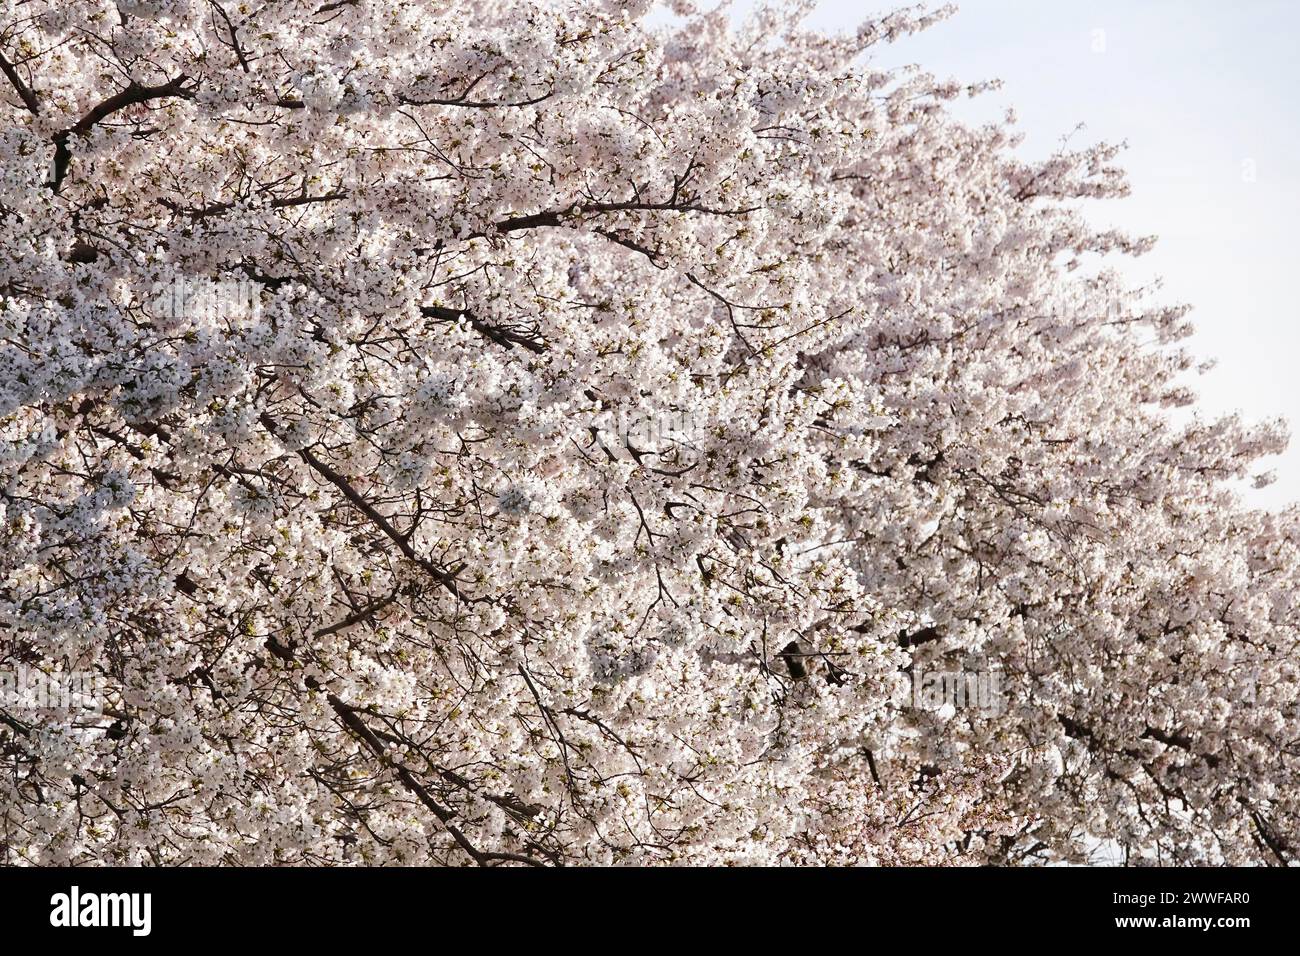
x=546, y=432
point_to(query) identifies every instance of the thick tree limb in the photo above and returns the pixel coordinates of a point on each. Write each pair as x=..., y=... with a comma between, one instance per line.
x=24, y=91
x=133, y=94
x=506, y=338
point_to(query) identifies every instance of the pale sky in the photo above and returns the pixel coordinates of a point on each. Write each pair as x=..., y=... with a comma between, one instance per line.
x=1205, y=94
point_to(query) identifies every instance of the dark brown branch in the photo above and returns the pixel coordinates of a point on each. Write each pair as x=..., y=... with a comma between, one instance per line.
x=924, y=636
x=476, y=104
x=351, y=719
x=446, y=579
x=357, y=616
x=506, y=338
x=18, y=726
x=792, y=654
x=1270, y=837
x=234, y=37
x=871, y=765
x=338, y=5
x=283, y=202
x=24, y=91
x=132, y=95
x=558, y=217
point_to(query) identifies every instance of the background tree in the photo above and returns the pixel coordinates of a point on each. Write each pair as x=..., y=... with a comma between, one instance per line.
x=514, y=432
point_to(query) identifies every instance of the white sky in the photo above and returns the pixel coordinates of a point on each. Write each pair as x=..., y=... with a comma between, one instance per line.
x=1205, y=94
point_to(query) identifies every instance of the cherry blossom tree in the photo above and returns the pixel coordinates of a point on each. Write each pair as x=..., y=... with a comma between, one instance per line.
x=551, y=433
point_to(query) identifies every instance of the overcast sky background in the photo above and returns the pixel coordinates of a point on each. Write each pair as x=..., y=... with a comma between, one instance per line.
x=1205, y=93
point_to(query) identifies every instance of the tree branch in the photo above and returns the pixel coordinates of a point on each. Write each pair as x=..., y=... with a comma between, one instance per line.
x=446, y=579
x=506, y=338
x=132, y=95
x=351, y=719
x=24, y=91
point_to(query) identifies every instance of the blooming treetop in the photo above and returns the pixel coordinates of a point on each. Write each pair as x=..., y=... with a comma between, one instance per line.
x=517, y=432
